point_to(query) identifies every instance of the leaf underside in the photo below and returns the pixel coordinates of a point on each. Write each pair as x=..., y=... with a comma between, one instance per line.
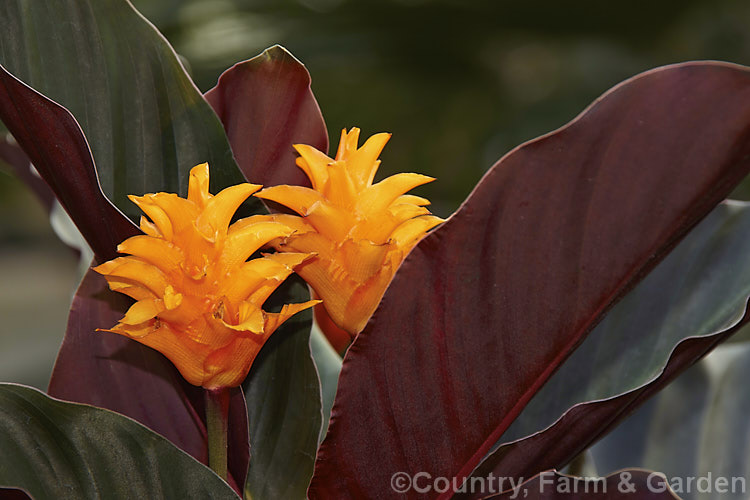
x=551, y=238
x=266, y=106
x=693, y=300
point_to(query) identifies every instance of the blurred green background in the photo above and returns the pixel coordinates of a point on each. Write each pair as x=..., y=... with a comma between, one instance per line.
x=459, y=83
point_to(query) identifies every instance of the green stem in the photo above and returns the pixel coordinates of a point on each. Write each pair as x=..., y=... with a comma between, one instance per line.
x=217, y=414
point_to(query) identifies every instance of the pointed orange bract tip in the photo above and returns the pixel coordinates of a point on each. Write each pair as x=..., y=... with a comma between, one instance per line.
x=198, y=299
x=359, y=231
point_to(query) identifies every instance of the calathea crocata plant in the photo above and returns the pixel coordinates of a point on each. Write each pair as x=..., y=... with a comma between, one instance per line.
x=585, y=271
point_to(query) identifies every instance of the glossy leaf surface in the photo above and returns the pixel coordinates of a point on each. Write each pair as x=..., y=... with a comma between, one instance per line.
x=691, y=301
x=551, y=238
x=54, y=449
x=146, y=122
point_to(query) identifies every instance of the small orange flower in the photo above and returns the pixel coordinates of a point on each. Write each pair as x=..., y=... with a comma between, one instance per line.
x=198, y=298
x=360, y=231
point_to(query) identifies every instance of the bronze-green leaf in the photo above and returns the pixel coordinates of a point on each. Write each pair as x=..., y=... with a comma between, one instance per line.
x=146, y=122
x=54, y=449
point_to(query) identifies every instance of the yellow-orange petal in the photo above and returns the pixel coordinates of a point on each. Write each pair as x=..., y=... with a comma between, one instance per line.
x=365, y=299
x=340, y=189
x=362, y=258
x=229, y=365
x=136, y=271
x=328, y=286
x=363, y=163
x=408, y=233
x=187, y=355
x=412, y=200
x=314, y=163
x=308, y=243
x=298, y=198
x=347, y=143
x=161, y=253
x=149, y=228
x=142, y=311
x=132, y=331
x=110, y=265
x=130, y=288
x=277, y=267
x=380, y=196
x=198, y=185
x=404, y=211
x=263, y=291
x=274, y=320
x=298, y=224
x=172, y=299
x=243, y=240
x=198, y=301
x=290, y=260
x=254, y=274
x=379, y=230
x=338, y=337
x=360, y=232
x=251, y=319
x=220, y=209
x=158, y=216
x=188, y=314
x=333, y=222
x=180, y=211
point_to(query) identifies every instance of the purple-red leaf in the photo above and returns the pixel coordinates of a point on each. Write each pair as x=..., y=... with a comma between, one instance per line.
x=556, y=232
x=266, y=106
x=694, y=299
x=14, y=494
x=110, y=371
x=52, y=139
x=585, y=423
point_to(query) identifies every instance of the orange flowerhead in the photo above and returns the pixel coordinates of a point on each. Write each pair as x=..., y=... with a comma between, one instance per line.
x=360, y=231
x=198, y=298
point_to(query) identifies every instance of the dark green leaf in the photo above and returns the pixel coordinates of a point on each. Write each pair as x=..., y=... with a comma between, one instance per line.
x=55, y=449
x=284, y=407
x=146, y=122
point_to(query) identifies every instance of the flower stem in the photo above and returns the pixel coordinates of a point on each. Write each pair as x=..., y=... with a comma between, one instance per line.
x=217, y=414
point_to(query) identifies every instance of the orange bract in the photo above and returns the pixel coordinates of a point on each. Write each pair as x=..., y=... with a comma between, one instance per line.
x=198, y=299
x=359, y=231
